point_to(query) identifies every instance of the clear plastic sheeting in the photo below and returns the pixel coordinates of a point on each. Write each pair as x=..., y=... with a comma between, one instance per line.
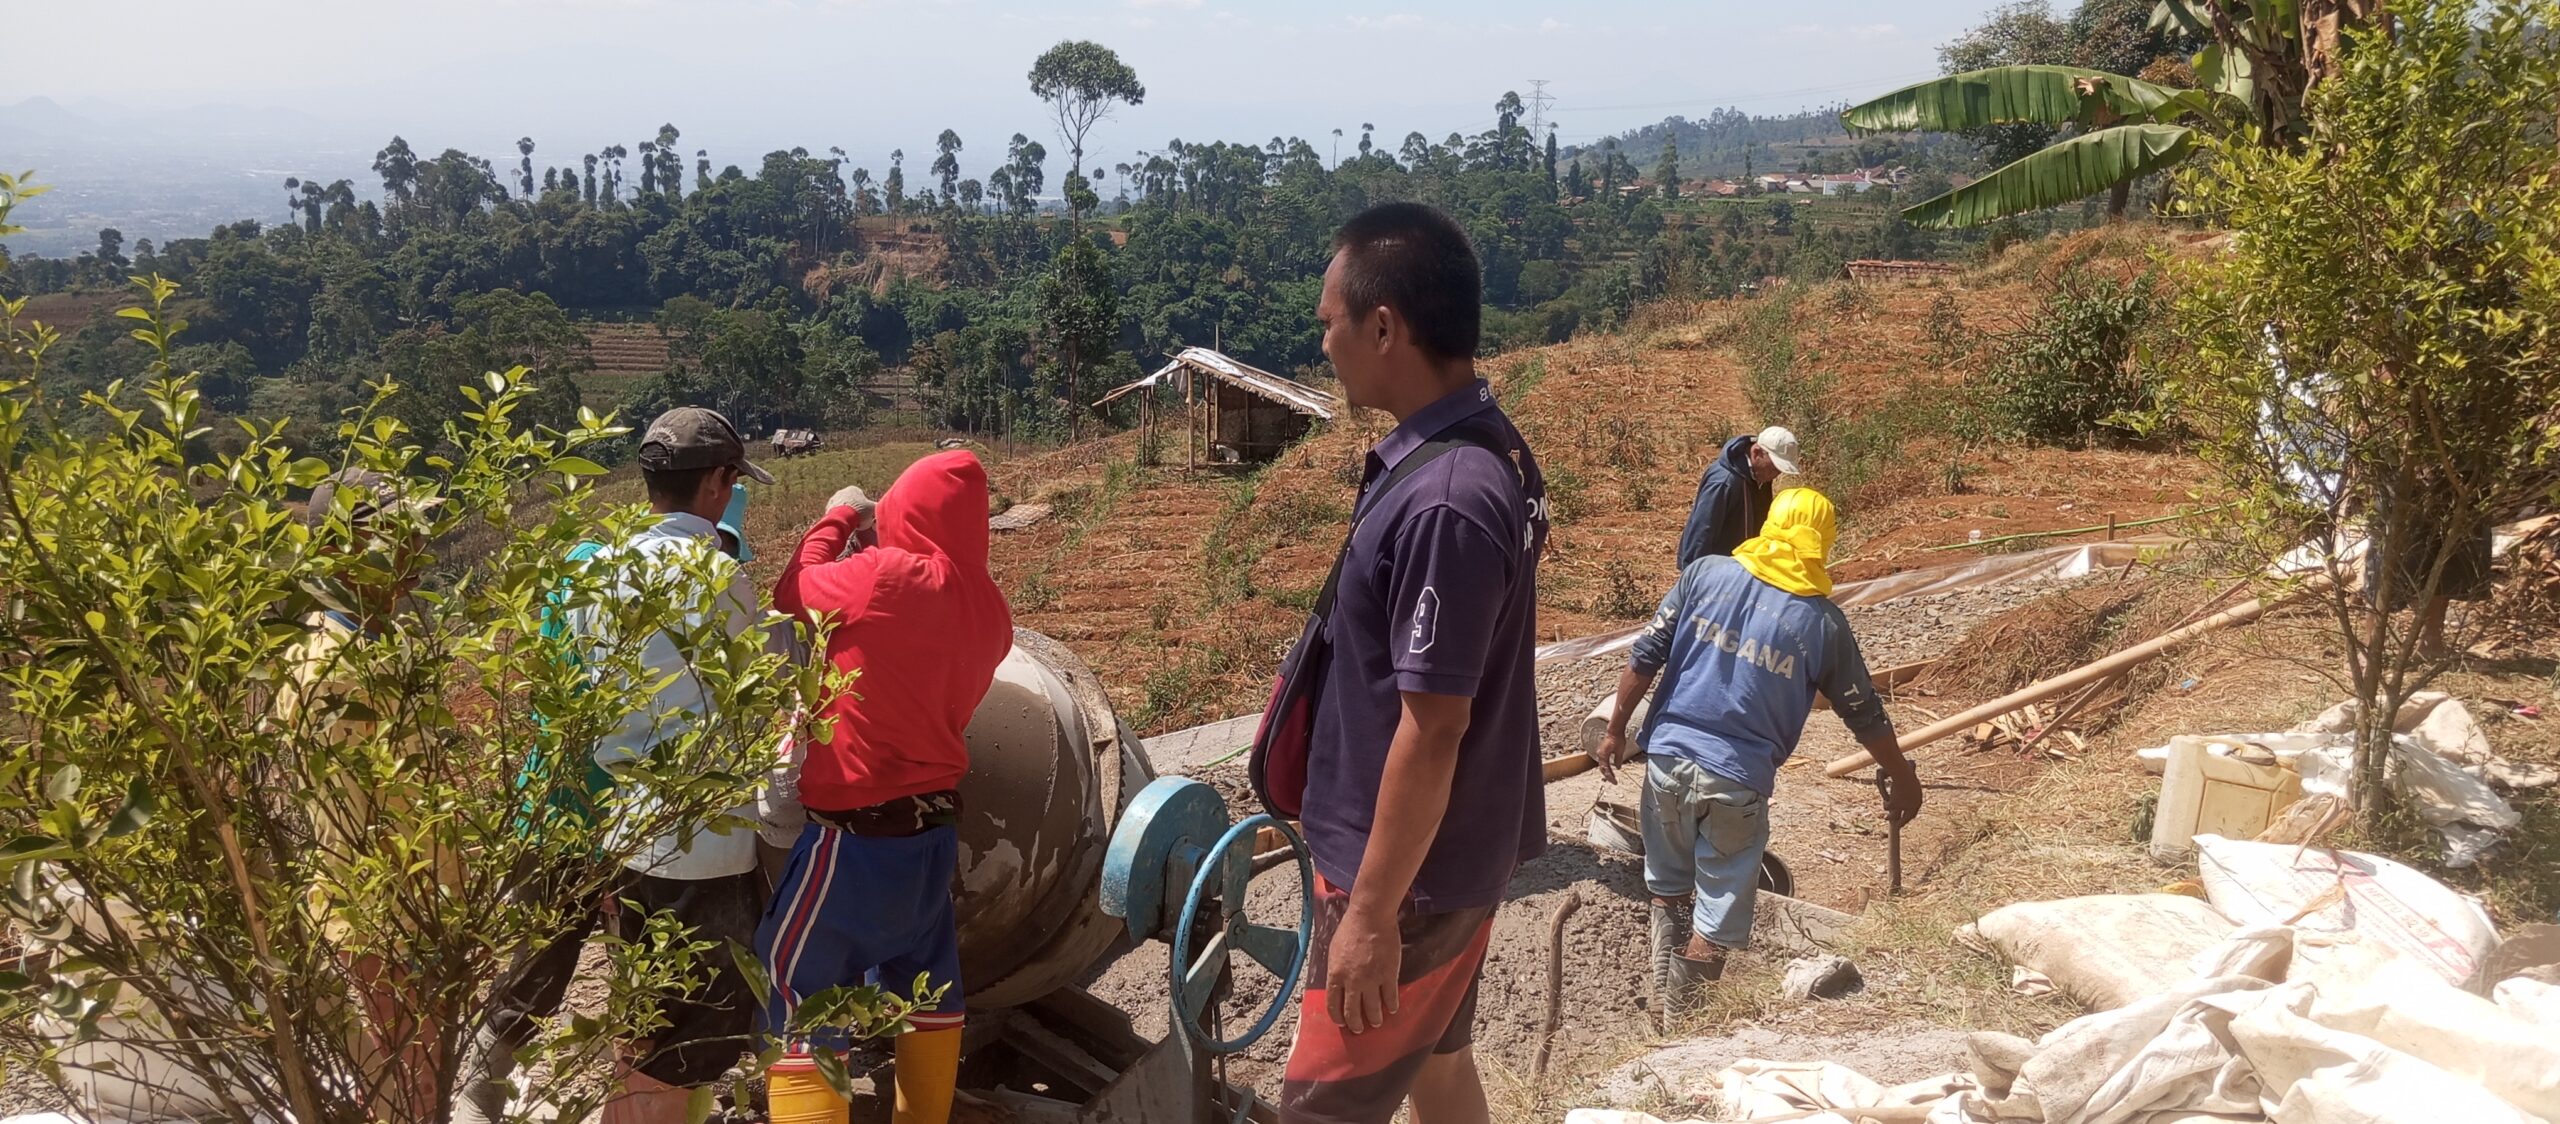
x=2441, y=764
x=2053, y=563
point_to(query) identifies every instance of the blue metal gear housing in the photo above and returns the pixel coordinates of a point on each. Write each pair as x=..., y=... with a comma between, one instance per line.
x=1156, y=851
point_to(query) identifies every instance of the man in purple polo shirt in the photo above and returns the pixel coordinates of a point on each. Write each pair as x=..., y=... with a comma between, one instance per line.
x=1423, y=793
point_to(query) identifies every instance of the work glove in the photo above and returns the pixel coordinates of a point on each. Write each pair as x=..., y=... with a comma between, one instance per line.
x=852, y=496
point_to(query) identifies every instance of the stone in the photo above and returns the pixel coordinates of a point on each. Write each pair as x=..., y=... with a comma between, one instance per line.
x=1821, y=977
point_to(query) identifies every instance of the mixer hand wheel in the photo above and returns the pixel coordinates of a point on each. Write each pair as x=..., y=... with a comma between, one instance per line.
x=1226, y=875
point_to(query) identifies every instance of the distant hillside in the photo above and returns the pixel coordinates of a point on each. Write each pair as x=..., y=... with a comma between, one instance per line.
x=1720, y=145
x=625, y=355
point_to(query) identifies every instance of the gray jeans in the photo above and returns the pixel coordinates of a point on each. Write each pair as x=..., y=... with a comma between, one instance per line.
x=1703, y=837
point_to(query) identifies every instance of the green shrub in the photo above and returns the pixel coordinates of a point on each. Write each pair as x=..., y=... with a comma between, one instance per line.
x=1949, y=339
x=1522, y=378
x=1639, y=487
x=1567, y=493
x=1622, y=594
x=2075, y=372
x=202, y=870
x=1034, y=594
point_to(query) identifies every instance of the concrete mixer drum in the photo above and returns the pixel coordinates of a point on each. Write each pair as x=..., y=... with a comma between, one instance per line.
x=1049, y=765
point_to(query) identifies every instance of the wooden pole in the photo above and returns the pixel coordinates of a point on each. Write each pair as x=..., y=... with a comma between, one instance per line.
x=2111, y=526
x=1573, y=764
x=2063, y=683
x=1190, y=423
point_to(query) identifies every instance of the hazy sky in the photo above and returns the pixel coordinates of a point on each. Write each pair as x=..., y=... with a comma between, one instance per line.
x=745, y=76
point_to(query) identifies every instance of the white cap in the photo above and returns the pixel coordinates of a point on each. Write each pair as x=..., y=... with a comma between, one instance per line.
x=1780, y=443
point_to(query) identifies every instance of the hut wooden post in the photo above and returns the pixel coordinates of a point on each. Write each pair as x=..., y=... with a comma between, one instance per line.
x=1190, y=422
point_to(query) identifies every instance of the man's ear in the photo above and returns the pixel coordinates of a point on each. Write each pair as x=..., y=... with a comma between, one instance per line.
x=1383, y=327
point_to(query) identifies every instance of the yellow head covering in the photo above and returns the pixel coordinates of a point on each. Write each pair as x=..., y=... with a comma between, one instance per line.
x=1793, y=543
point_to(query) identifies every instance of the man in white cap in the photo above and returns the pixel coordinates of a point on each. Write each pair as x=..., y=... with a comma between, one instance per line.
x=1733, y=496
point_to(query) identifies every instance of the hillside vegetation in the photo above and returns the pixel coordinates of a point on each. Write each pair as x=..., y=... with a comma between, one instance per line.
x=1184, y=588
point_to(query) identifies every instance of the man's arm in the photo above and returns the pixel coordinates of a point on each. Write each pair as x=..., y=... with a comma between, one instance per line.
x=1422, y=762
x=1706, y=518
x=1844, y=679
x=1652, y=648
x=816, y=579
x=1612, y=751
x=1451, y=578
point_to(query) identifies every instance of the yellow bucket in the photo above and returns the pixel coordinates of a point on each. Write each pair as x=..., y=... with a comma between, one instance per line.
x=794, y=1093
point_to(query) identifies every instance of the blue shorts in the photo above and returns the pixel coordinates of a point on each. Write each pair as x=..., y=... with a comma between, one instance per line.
x=1703, y=836
x=855, y=909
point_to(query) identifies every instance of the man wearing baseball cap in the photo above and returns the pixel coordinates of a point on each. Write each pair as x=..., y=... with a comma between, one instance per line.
x=329, y=699
x=691, y=459
x=691, y=438
x=1733, y=496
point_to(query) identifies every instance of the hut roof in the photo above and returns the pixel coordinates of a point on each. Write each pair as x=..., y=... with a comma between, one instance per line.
x=1295, y=395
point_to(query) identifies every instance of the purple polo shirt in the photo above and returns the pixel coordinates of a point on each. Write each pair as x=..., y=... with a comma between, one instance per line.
x=1438, y=596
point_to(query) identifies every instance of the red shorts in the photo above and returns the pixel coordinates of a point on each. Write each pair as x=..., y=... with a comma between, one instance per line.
x=1335, y=1077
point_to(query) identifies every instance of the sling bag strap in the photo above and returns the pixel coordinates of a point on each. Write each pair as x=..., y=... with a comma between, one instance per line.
x=1446, y=442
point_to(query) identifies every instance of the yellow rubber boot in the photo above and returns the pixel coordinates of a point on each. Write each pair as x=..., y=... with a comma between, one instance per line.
x=928, y=1070
x=795, y=1094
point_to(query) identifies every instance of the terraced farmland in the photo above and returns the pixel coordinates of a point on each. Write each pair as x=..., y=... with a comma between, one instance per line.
x=625, y=356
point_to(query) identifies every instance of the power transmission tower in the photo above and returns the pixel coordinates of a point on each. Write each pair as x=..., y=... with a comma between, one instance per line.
x=1539, y=99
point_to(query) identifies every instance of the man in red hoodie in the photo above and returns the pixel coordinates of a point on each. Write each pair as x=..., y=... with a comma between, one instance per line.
x=866, y=896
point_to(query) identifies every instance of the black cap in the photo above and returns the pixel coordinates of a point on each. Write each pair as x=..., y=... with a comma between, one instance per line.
x=692, y=437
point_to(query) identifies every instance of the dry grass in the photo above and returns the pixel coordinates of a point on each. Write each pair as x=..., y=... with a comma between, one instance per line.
x=2035, y=640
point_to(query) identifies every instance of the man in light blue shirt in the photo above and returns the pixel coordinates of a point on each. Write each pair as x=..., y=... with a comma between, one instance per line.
x=1742, y=643
x=706, y=875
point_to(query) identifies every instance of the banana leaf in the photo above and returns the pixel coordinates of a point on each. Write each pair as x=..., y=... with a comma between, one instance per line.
x=2003, y=95
x=2067, y=172
x=2227, y=72
x=2181, y=15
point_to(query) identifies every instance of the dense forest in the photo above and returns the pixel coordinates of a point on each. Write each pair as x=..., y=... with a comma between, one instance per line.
x=783, y=288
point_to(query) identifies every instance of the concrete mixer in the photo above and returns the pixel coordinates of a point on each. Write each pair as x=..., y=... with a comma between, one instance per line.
x=1072, y=850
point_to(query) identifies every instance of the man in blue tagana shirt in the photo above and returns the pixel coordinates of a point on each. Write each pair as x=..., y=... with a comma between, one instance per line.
x=1742, y=643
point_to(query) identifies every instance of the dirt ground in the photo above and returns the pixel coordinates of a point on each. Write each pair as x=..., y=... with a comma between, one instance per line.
x=1829, y=832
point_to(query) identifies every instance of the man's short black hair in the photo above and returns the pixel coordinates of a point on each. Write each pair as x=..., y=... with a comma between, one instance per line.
x=675, y=485
x=1415, y=260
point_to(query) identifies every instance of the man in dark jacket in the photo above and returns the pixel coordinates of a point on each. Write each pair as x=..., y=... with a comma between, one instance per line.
x=1733, y=496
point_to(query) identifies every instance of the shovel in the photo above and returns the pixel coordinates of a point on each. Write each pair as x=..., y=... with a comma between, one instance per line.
x=1892, y=839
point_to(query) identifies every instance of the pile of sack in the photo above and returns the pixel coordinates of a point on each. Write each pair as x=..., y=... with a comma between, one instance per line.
x=2305, y=986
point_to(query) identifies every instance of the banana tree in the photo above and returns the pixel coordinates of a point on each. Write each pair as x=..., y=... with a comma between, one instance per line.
x=2127, y=129
x=2265, y=54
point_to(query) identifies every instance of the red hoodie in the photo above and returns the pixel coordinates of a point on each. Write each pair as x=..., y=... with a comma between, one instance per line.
x=922, y=621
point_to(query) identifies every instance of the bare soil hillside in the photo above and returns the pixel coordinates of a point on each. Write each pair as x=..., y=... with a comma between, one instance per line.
x=69, y=312
x=1183, y=587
